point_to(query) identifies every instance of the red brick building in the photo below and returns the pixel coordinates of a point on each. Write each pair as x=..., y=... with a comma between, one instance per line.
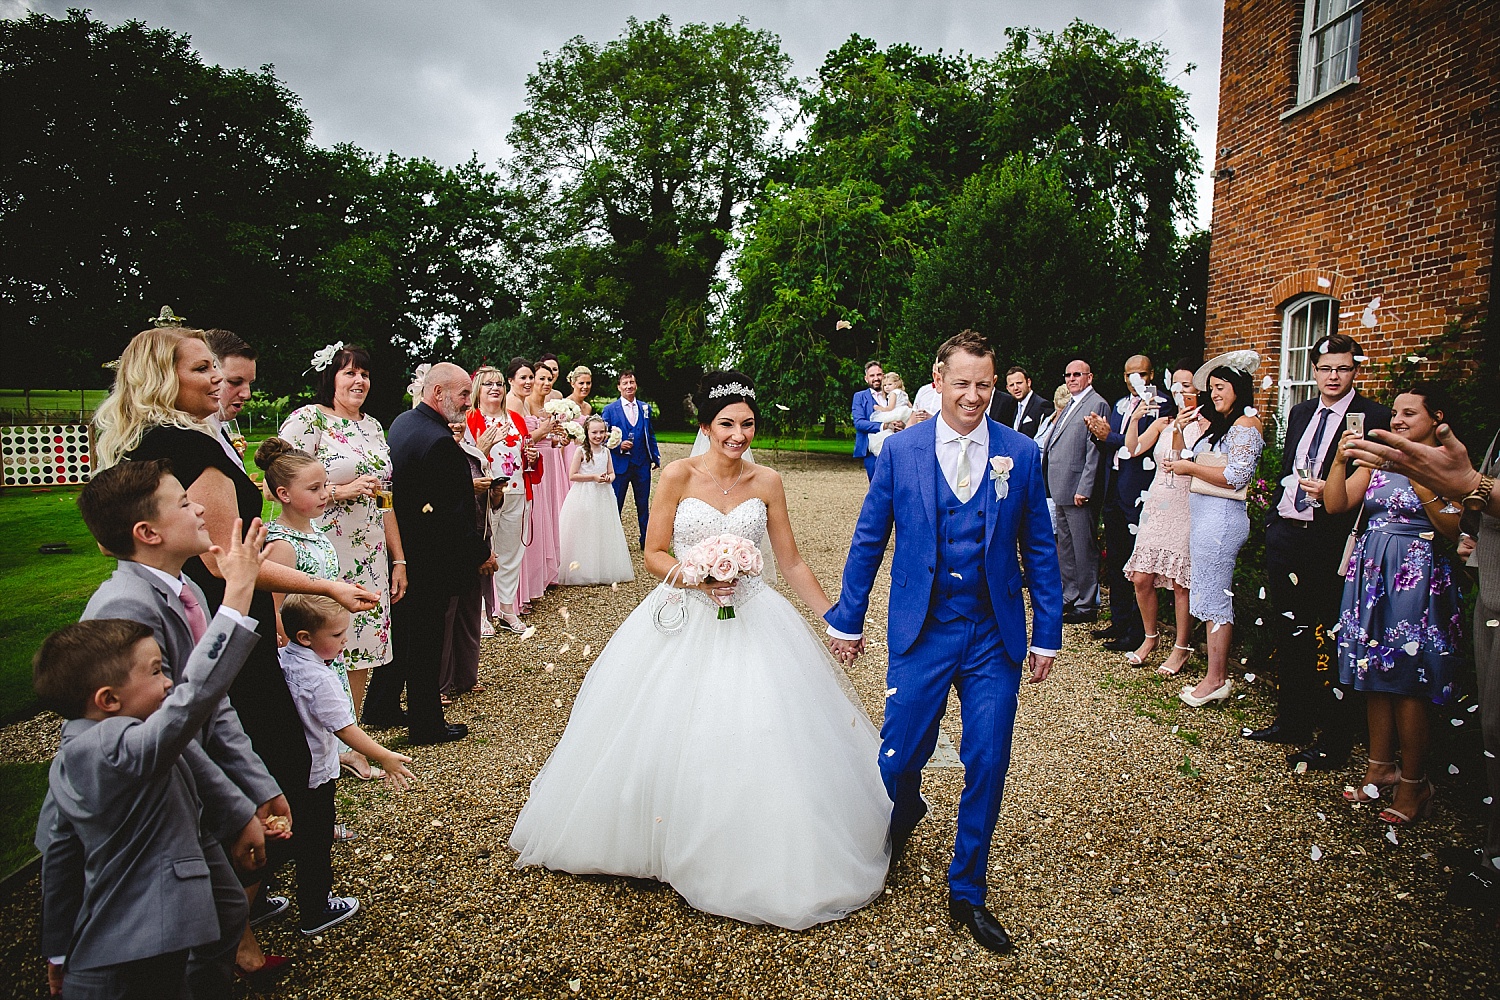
x=1356, y=176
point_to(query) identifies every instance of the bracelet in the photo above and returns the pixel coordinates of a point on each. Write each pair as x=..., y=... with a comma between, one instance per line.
x=333, y=492
x=398, y=562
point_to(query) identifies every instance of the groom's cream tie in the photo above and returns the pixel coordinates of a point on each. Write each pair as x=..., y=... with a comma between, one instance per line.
x=964, y=490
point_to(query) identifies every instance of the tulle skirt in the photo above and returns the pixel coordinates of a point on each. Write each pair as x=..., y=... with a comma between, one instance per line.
x=729, y=759
x=592, y=541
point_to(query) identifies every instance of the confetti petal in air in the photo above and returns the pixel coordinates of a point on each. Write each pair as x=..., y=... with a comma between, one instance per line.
x=1410, y=649
x=573, y=565
x=1415, y=359
x=889, y=692
x=1263, y=593
x=1456, y=722
x=1289, y=614
x=1134, y=528
x=1390, y=834
x=1338, y=693
x=1249, y=678
x=783, y=409
x=1265, y=383
x=1217, y=626
x=1452, y=768
x=1371, y=791
x=889, y=753
x=1147, y=464
x=1228, y=592
x=1426, y=536
x=1260, y=621
x=1292, y=577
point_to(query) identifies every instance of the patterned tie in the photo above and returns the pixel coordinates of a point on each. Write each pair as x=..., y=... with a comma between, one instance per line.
x=1299, y=499
x=963, y=490
x=197, y=621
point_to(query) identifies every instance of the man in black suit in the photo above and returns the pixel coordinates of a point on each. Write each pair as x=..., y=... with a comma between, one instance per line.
x=1304, y=546
x=434, y=504
x=1128, y=479
x=1018, y=407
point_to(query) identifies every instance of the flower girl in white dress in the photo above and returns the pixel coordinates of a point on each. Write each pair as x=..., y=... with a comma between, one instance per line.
x=727, y=757
x=894, y=407
x=593, y=546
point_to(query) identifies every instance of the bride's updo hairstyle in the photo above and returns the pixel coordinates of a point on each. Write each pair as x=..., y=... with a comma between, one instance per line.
x=721, y=389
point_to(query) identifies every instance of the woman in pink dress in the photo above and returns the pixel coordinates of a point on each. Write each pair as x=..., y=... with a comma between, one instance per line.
x=540, y=564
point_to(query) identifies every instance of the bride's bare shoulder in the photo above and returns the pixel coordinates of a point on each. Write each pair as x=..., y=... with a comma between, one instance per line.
x=676, y=473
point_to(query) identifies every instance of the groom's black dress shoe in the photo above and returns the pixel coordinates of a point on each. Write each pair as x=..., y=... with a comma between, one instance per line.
x=982, y=924
x=447, y=734
x=1080, y=617
x=1278, y=732
x=1319, y=757
x=1107, y=632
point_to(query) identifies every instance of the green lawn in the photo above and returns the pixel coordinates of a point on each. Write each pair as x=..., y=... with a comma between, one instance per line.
x=22, y=788
x=825, y=446
x=51, y=400
x=39, y=594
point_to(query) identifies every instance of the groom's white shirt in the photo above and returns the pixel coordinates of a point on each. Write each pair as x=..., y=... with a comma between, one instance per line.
x=949, y=455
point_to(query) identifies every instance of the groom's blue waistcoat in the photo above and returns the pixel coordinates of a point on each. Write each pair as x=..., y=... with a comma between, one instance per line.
x=960, y=590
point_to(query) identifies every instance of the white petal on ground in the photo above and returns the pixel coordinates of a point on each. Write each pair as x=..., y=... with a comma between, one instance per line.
x=557, y=703
x=530, y=631
x=1390, y=834
x=1317, y=853
x=586, y=650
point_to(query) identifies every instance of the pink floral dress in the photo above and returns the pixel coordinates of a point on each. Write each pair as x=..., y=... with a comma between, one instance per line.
x=349, y=449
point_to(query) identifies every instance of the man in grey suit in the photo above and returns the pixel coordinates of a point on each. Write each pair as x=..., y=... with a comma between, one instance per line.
x=1071, y=468
x=125, y=852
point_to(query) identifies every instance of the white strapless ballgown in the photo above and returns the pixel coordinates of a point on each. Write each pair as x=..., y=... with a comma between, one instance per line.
x=729, y=758
x=768, y=571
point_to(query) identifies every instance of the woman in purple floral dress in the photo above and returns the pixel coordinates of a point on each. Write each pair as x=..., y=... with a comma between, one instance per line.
x=1399, y=628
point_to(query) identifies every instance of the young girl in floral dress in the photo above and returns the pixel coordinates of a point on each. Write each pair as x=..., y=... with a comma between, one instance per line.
x=298, y=482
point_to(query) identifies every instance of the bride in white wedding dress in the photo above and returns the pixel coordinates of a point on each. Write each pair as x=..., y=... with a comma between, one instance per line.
x=729, y=758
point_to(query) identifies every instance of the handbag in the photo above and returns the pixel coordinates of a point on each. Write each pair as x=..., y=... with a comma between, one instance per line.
x=1216, y=460
x=1349, y=544
x=669, y=605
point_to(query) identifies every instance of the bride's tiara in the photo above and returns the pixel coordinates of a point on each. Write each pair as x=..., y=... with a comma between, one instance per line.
x=731, y=389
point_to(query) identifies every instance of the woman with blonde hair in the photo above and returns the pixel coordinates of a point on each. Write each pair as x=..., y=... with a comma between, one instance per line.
x=582, y=381
x=499, y=434
x=166, y=386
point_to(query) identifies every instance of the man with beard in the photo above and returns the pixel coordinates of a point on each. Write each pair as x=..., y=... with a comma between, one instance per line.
x=434, y=503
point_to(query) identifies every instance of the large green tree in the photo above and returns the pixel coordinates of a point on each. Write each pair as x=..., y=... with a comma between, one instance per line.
x=135, y=175
x=132, y=175
x=643, y=149
x=1078, y=128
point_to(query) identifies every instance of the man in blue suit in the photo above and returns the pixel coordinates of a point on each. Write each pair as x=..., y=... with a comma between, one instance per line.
x=636, y=454
x=966, y=497
x=862, y=410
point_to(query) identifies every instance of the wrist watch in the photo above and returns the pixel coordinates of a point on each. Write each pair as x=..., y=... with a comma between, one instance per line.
x=1479, y=497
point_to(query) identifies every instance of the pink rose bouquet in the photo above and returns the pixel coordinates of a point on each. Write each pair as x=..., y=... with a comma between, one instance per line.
x=723, y=558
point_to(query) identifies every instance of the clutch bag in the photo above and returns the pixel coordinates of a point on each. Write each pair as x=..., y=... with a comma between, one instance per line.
x=1215, y=460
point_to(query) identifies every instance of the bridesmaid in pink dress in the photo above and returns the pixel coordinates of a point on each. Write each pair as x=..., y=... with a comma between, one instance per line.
x=540, y=564
x=546, y=365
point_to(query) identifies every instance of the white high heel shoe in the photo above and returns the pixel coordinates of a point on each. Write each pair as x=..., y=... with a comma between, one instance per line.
x=1219, y=693
x=1134, y=660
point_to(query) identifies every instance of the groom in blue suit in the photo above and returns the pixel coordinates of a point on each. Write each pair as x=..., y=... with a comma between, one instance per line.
x=965, y=495
x=636, y=455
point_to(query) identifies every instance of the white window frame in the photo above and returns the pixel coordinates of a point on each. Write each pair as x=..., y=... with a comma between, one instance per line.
x=1343, y=28
x=1300, y=330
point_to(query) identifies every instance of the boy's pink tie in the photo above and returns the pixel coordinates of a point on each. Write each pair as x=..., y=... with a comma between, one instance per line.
x=197, y=621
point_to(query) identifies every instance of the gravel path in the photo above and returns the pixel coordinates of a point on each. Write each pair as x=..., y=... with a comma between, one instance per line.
x=1143, y=850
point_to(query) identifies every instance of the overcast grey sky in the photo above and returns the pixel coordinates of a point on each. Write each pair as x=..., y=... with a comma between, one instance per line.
x=442, y=78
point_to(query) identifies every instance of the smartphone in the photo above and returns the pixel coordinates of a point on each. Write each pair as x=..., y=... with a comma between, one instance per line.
x=1356, y=423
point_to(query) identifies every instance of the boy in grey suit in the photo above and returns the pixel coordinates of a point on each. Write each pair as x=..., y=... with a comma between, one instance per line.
x=124, y=849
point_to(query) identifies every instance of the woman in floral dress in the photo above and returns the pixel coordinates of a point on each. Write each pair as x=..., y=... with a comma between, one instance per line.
x=543, y=551
x=352, y=447
x=1399, y=629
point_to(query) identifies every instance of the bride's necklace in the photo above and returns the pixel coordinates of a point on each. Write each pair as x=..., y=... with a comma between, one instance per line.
x=731, y=485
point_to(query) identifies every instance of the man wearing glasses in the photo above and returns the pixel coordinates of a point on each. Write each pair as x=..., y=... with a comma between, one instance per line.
x=1072, y=470
x=1304, y=547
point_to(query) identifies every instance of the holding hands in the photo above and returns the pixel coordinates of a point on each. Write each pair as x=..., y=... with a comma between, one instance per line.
x=846, y=650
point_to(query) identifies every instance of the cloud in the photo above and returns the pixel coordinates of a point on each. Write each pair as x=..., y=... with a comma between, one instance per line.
x=443, y=78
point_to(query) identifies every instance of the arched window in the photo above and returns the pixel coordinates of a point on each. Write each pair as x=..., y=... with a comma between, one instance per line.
x=1304, y=322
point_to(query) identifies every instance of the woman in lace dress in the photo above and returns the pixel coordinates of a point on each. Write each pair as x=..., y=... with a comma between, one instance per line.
x=1232, y=441
x=727, y=757
x=540, y=563
x=351, y=445
x=1399, y=631
x=1162, y=554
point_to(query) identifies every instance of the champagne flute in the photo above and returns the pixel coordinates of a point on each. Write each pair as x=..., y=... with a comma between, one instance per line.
x=1304, y=471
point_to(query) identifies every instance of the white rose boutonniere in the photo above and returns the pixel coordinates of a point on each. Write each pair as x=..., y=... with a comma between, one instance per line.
x=1000, y=467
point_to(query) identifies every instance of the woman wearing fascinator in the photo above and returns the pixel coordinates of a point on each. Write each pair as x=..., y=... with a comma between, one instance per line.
x=359, y=520
x=715, y=745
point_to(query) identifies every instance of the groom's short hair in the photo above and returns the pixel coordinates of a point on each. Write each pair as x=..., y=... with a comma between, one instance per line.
x=970, y=343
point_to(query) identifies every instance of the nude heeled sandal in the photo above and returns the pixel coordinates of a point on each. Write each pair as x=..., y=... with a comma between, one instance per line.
x=1361, y=796
x=1396, y=817
x=1173, y=673
x=1135, y=660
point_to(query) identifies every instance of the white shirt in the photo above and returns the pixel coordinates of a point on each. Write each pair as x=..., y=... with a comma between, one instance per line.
x=1021, y=410
x=928, y=400
x=631, y=412
x=322, y=706
x=949, y=457
x=1331, y=433
x=222, y=436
